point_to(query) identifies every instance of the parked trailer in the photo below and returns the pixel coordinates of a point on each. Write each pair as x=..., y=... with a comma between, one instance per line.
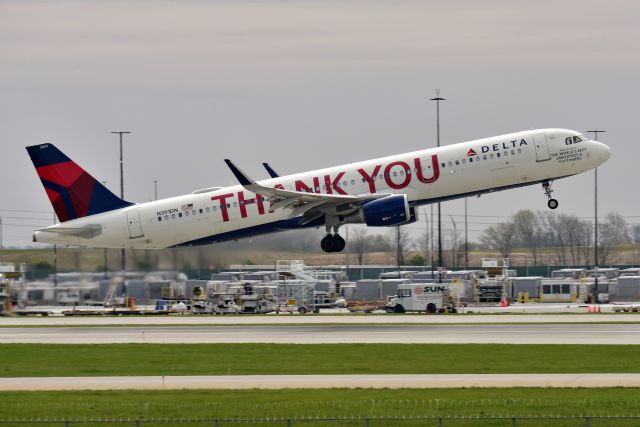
x=425, y=298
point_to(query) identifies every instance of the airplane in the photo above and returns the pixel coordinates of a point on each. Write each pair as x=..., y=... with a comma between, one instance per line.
x=381, y=192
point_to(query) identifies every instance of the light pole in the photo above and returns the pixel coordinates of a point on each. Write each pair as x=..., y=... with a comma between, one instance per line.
x=466, y=237
x=438, y=99
x=122, y=254
x=155, y=189
x=595, y=217
x=1, y=246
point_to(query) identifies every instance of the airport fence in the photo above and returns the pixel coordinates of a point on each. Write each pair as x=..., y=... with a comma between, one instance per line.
x=482, y=421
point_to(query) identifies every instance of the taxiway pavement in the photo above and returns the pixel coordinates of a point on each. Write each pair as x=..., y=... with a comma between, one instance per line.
x=319, y=381
x=544, y=333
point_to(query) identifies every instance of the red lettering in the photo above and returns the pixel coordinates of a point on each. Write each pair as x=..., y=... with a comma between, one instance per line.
x=223, y=205
x=244, y=202
x=301, y=186
x=370, y=178
x=260, y=204
x=316, y=184
x=327, y=183
x=436, y=170
x=336, y=183
x=407, y=175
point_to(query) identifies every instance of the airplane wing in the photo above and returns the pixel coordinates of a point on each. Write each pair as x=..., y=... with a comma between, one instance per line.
x=272, y=173
x=308, y=205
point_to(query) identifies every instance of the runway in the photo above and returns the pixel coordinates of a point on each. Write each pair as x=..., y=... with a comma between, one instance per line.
x=319, y=381
x=330, y=334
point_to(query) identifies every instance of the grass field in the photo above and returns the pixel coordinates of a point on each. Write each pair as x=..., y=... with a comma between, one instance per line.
x=320, y=403
x=19, y=360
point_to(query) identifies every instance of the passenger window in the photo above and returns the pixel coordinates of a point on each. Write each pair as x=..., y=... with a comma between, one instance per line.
x=215, y=208
x=207, y=209
x=345, y=183
x=166, y=217
x=470, y=159
x=457, y=162
x=353, y=182
x=159, y=218
x=450, y=164
x=519, y=150
x=443, y=165
x=180, y=215
x=506, y=153
x=491, y=155
x=464, y=160
x=477, y=158
x=497, y=154
x=484, y=157
x=513, y=151
x=186, y=213
x=200, y=211
x=173, y=216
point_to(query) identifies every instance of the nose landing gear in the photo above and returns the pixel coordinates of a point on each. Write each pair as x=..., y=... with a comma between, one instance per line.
x=552, y=203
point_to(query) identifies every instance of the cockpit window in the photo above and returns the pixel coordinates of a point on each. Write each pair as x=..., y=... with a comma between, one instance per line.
x=572, y=140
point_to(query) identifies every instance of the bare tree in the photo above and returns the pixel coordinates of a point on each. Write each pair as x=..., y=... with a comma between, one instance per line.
x=423, y=242
x=500, y=237
x=614, y=231
x=528, y=232
x=358, y=243
x=400, y=244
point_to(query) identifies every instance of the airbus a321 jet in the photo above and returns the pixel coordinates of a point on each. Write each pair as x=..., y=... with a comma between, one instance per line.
x=379, y=193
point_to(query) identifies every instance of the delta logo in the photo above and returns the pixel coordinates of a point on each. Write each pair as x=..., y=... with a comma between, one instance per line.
x=471, y=153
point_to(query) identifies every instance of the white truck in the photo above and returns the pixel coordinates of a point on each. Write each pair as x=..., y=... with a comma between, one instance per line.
x=422, y=297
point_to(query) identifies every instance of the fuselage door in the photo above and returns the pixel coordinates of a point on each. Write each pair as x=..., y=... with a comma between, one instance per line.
x=135, y=228
x=542, y=149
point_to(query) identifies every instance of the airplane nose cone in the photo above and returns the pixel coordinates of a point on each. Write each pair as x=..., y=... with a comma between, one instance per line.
x=604, y=152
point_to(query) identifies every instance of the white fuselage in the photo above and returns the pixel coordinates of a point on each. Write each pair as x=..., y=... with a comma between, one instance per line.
x=425, y=176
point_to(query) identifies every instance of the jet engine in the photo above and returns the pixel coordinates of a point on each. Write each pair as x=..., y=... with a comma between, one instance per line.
x=387, y=211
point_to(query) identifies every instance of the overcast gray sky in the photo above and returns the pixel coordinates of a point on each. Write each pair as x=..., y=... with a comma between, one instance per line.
x=309, y=84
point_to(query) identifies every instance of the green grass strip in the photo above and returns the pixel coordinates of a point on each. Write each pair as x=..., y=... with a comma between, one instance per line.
x=33, y=360
x=322, y=403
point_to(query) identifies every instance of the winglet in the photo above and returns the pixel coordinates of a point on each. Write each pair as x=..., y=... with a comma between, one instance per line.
x=240, y=176
x=272, y=173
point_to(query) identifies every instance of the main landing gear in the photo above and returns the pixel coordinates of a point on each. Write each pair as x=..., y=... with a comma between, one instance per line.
x=332, y=242
x=552, y=203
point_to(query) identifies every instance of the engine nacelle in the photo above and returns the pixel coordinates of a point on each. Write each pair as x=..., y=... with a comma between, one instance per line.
x=388, y=211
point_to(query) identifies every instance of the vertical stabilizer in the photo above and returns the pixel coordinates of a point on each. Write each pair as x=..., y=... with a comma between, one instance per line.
x=72, y=191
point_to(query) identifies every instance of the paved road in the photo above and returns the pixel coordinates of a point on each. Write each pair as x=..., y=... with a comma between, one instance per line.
x=322, y=381
x=322, y=319
x=327, y=334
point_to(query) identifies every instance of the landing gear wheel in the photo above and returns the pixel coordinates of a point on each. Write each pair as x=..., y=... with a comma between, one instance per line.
x=332, y=243
x=328, y=244
x=552, y=203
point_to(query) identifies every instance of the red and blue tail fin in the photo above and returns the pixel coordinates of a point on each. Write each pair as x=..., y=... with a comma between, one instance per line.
x=72, y=191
